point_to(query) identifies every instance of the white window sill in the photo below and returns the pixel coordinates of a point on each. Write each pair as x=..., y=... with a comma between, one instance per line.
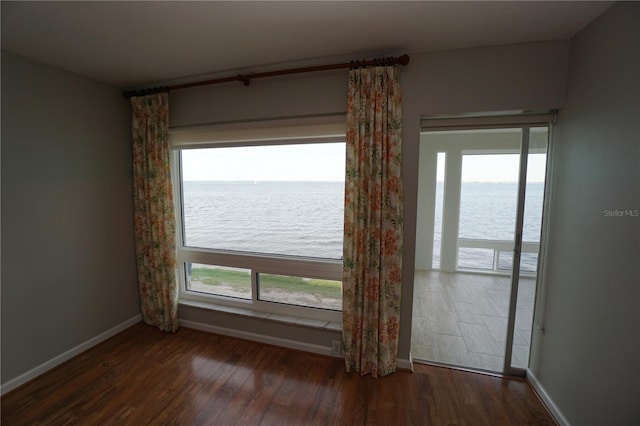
x=285, y=319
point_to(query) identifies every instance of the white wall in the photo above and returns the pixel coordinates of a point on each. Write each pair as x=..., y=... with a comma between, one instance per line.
x=68, y=266
x=529, y=76
x=587, y=360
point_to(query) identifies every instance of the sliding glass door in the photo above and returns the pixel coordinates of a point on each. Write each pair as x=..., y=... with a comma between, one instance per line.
x=525, y=259
x=480, y=202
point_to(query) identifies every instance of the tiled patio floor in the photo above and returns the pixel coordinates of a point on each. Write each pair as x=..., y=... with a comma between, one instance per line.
x=461, y=319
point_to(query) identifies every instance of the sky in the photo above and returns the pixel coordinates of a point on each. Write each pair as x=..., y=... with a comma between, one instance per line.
x=326, y=162
x=300, y=162
x=498, y=168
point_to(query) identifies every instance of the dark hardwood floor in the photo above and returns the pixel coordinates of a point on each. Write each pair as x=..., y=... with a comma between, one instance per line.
x=143, y=376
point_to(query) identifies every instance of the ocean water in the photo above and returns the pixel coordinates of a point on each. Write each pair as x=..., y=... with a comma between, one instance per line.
x=306, y=218
x=289, y=218
x=488, y=211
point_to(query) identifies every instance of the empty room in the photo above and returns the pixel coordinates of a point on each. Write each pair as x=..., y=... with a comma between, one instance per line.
x=358, y=212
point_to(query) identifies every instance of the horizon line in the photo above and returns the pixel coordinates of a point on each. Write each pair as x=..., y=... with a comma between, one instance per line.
x=336, y=181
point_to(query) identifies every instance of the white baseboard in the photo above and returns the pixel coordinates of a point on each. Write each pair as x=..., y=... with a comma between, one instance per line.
x=276, y=341
x=54, y=362
x=403, y=364
x=544, y=396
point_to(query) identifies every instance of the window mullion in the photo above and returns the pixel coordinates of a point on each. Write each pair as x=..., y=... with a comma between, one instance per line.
x=254, y=286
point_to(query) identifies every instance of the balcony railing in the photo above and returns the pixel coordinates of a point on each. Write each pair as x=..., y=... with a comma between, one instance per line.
x=499, y=246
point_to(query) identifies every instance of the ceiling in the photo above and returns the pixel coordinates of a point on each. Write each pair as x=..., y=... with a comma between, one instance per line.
x=133, y=43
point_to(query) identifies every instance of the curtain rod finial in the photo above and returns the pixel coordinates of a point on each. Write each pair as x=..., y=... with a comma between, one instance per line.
x=246, y=80
x=403, y=60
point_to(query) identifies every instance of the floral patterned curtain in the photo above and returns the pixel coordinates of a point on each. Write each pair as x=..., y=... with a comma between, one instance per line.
x=154, y=212
x=372, y=272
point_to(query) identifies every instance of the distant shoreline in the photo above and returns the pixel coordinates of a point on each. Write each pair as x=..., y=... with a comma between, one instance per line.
x=264, y=181
x=335, y=181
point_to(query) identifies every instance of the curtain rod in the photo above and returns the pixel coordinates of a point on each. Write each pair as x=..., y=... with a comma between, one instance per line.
x=246, y=79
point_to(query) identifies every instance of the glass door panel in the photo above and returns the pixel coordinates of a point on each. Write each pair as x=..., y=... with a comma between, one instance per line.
x=461, y=304
x=488, y=198
x=531, y=232
x=468, y=309
x=437, y=228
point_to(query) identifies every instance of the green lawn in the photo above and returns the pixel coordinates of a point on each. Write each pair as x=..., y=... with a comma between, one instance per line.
x=241, y=281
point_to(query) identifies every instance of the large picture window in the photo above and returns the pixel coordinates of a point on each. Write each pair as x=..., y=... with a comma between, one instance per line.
x=262, y=224
x=274, y=199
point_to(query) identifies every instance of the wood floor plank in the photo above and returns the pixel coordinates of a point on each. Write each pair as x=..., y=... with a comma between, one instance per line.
x=207, y=371
x=265, y=383
x=287, y=397
x=311, y=405
x=331, y=393
x=145, y=377
x=232, y=397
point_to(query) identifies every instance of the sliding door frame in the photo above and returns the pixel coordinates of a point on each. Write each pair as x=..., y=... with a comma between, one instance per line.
x=525, y=122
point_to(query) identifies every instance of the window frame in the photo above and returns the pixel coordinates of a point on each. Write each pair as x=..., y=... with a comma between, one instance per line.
x=256, y=263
